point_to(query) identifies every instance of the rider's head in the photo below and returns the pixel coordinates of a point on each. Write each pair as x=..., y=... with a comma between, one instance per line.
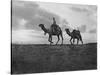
x=54, y=21
x=53, y=18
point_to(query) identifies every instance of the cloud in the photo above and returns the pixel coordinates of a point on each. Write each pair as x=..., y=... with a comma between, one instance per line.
x=79, y=9
x=22, y=22
x=24, y=9
x=64, y=21
x=84, y=8
x=14, y=22
x=28, y=36
x=63, y=24
x=18, y=23
x=31, y=12
x=93, y=31
x=82, y=28
x=89, y=10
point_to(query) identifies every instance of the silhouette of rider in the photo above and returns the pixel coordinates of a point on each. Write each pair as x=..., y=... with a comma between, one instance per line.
x=54, y=25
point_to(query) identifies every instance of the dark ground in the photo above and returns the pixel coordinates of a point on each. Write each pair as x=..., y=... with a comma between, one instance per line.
x=46, y=58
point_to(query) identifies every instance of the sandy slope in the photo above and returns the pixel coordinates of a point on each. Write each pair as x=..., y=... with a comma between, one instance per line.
x=46, y=58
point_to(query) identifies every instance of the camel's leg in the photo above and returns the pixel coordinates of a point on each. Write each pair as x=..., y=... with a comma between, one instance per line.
x=58, y=39
x=71, y=41
x=81, y=41
x=49, y=39
x=50, y=42
x=77, y=41
x=62, y=38
x=80, y=37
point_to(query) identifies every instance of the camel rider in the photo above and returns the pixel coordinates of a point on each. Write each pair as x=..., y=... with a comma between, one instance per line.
x=54, y=25
x=54, y=21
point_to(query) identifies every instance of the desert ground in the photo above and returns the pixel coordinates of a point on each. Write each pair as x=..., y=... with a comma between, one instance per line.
x=40, y=58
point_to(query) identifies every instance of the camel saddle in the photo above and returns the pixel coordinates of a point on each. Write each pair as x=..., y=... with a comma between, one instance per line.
x=55, y=28
x=76, y=32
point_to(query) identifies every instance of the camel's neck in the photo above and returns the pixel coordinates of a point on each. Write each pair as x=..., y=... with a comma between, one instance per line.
x=69, y=33
x=44, y=29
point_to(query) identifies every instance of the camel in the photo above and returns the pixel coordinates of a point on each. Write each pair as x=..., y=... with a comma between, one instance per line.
x=57, y=33
x=75, y=34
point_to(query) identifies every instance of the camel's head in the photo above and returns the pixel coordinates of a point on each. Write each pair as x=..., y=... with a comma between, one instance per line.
x=67, y=30
x=43, y=28
x=41, y=25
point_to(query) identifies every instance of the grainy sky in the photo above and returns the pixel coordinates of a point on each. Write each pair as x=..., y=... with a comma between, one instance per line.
x=27, y=15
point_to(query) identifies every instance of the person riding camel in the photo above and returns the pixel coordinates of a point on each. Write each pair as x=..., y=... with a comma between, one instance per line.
x=54, y=26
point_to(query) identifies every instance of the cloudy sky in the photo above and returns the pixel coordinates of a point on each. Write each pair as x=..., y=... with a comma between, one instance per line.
x=27, y=15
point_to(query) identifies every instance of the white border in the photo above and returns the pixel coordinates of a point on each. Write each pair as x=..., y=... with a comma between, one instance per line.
x=5, y=37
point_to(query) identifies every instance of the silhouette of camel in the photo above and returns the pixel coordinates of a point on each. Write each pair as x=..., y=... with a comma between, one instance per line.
x=50, y=33
x=75, y=34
